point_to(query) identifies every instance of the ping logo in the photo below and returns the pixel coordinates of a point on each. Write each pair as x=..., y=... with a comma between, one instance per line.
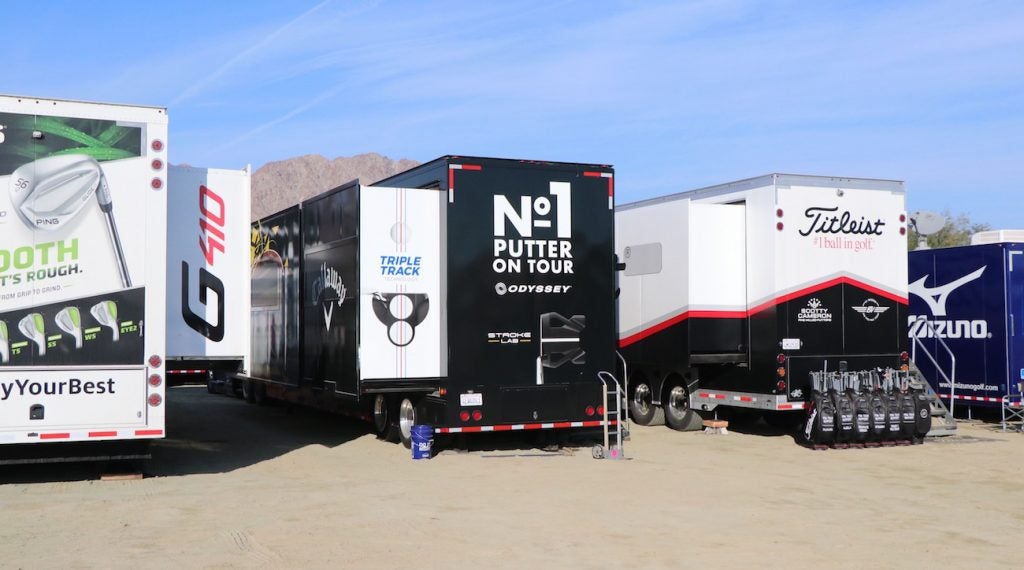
x=524, y=220
x=936, y=297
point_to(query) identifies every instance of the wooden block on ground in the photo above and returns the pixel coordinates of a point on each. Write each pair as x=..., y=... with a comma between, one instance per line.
x=716, y=424
x=120, y=476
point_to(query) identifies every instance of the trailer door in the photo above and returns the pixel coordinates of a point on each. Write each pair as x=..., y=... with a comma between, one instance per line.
x=1015, y=305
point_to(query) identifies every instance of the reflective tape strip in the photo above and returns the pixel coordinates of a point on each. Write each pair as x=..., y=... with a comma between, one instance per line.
x=712, y=396
x=972, y=398
x=103, y=433
x=63, y=435
x=192, y=371
x=148, y=432
x=791, y=406
x=518, y=427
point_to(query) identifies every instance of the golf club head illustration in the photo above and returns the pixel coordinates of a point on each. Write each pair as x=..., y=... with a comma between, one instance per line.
x=49, y=193
x=560, y=339
x=5, y=344
x=33, y=327
x=105, y=313
x=400, y=313
x=69, y=319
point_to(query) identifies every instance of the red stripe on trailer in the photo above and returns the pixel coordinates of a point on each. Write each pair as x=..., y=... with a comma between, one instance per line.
x=520, y=427
x=710, y=395
x=193, y=371
x=740, y=314
x=140, y=432
x=63, y=435
x=796, y=406
x=972, y=398
x=103, y=434
x=745, y=398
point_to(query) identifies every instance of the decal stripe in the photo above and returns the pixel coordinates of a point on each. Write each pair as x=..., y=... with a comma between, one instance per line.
x=518, y=427
x=611, y=184
x=451, y=176
x=64, y=435
x=139, y=432
x=741, y=314
x=103, y=434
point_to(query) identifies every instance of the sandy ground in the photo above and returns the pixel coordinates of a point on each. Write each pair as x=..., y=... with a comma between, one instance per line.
x=240, y=486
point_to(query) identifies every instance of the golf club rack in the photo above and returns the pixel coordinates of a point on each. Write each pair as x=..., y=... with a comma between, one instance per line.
x=866, y=408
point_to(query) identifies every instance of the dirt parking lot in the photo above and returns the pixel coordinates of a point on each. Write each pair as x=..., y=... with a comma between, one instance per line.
x=238, y=486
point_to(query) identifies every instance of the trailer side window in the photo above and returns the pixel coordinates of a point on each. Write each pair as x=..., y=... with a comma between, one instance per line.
x=642, y=259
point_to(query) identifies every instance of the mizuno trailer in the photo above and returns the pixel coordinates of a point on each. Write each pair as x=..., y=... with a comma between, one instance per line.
x=468, y=294
x=733, y=295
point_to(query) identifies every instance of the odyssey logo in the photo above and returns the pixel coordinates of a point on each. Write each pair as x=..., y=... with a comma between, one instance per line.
x=329, y=291
x=503, y=289
x=832, y=221
x=870, y=309
x=529, y=253
x=935, y=297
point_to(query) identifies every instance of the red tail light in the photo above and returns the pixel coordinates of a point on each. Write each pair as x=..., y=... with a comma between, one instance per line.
x=781, y=358
x=779, y=226
x=904, y=356
x=781, y=385
x=477, y=415
x=157, y=184
x=155, y=400
x=157, y=164
x=154, y=361
x=464, y=416
x=155, y=380
x=157, y=145
x=781, y=372
x=600, y=410
x=589, y=411
x=778, y=212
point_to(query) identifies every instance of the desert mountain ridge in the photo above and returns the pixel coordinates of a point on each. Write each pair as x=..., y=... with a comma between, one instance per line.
x=283, y=183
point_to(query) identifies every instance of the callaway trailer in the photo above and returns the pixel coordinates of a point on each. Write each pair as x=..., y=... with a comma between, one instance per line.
x=733, y=294
x=82, y=273
x=972, y=299
x=207, y=274
x=469, y=294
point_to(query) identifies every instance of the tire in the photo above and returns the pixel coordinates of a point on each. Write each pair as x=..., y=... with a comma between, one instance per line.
x=406, y=419
x=676, y=404
x=210, y=389
x=248, y=391
x=641, y=403
x=384, y=424
x=259, y=394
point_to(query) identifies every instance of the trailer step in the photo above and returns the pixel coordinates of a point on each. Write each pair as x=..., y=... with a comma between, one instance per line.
x=943, y=422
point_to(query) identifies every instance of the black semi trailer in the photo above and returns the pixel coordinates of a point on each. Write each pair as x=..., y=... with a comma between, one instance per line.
x=761, y=295
x=470, y=294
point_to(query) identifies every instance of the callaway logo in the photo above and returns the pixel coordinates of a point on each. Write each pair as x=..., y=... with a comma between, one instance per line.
x=870, y=309
x=936, y=297
x=329, y=280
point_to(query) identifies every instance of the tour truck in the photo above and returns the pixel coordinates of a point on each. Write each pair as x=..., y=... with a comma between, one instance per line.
x=468, y=294
x=736, y=295
x=83, y=212
x=970, y=299
x=208, y=274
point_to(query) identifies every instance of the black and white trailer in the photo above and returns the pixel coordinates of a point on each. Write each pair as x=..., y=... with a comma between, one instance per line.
x=469, y=294
x=733, y=295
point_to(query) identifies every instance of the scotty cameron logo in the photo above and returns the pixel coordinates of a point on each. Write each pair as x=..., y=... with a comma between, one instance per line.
x=870, y=309
x=814, y=312
x=936, y=296
x=329, y=292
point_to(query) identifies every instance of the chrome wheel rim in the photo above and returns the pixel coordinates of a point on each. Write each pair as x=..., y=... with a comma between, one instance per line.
x=642, y=399
x=380, y=413
x=406, y=417
x=678, y=403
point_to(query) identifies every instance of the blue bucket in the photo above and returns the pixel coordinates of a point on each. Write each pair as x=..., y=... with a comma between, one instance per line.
x=422, y=441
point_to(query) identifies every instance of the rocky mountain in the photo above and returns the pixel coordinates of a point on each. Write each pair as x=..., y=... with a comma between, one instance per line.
x=277, y=185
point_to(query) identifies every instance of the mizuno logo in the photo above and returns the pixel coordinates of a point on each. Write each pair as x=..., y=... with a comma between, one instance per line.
x=936, y=297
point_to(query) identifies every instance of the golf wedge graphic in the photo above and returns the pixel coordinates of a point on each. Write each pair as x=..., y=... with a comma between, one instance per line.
x=69, y=319
x=34, y=329
x=50, y=192
x=5, y=344
x=105, y=312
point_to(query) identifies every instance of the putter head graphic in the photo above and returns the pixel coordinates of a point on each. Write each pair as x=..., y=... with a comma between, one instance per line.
x=69, y=319
x=34, y=329
x=5, y=344
x=105, y=313
x=400, y=313
x=560, y=339
x=50, y=192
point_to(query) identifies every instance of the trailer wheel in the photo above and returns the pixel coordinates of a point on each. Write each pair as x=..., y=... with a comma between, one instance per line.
x=248, y=391
x=678, y=414
x=406, y=419
x=641, y=404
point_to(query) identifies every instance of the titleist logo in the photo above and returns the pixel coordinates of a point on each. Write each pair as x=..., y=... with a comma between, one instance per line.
x=831, y=221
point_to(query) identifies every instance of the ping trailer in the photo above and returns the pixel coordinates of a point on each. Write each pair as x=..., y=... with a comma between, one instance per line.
x=968, y=302
x=468, y=294
x=82, y=261
x=767, y=295
x=208, y=275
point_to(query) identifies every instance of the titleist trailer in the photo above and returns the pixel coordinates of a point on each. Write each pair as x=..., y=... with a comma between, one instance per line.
x=470, y=294
x=82, y=277
x=971, y=299
x=733, y=295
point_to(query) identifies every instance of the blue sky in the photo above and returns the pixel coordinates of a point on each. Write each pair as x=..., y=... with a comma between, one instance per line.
x=676, y=95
